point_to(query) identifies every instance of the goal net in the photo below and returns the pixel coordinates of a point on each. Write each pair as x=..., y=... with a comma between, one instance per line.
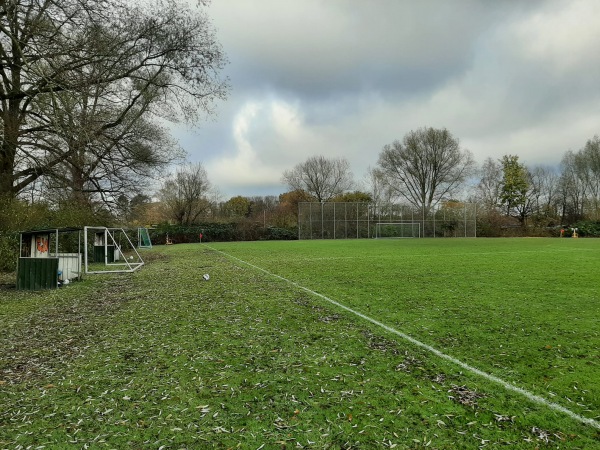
x=109, y=250
x=396, y=230
x=144, y=238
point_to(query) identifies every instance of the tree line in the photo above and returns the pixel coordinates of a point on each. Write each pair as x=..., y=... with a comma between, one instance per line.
x=544, y=195
x=427, y=169
x=86, y=86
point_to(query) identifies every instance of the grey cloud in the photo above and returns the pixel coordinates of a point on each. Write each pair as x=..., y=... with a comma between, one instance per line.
x=320, y=48
x=503, y=76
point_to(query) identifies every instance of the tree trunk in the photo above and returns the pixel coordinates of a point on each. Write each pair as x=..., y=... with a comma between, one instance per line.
x=12, y=124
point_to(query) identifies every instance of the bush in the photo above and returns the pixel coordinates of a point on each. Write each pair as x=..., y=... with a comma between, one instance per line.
x=587, y=228
x=281, y=234
x=9, y=250
x=219, y=232
x=18, y=216
x=181, y=234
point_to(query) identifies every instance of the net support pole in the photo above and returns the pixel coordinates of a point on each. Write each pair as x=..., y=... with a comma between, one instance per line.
x=357, y=222
x=322, y=221
x=465, y=218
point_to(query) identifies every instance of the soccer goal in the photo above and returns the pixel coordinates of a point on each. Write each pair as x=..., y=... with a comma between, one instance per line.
x=109, y=250
x=397, y=230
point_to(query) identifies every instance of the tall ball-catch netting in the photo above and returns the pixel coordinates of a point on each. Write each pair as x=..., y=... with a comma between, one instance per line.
x=331, y=220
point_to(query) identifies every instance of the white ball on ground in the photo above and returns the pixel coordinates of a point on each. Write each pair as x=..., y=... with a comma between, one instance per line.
x=206, y=276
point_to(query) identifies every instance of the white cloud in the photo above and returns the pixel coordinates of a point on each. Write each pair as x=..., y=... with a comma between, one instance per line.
x=250, y=162
x=564, y=35
x=286, y=120
x=240, y=165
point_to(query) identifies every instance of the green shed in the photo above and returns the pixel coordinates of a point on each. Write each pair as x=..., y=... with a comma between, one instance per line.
x=46, y=263
x=34, y=274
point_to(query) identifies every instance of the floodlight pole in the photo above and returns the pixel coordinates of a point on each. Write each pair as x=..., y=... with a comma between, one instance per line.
x=434, y=214
x=465, y=218
x=357, y=206
x=369, y=220
x=475, y=220
x=334, y=227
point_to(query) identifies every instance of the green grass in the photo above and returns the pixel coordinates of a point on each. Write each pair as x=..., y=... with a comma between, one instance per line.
x=161, y=357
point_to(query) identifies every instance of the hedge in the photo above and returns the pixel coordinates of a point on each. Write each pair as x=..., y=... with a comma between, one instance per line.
x=588, y=228
x=219, y=232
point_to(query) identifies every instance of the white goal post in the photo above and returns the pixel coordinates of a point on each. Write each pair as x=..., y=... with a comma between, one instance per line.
x=397, y=230
x=111, y=251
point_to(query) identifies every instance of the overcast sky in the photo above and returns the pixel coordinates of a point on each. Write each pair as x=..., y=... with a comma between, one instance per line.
x=342, y=78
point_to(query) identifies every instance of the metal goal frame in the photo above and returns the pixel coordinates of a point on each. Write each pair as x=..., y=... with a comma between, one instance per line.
x=109, y=241
x=401, y=226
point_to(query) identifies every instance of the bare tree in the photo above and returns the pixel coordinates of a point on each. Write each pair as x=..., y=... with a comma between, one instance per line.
x=48, y=47
x=427, y=166
x=113, y=146
x=262, y=208
x=545, y=190
x=186, y=196
x=374, y=183
x=589, y=171
x=321, y=177
x=580, y=182
x=488, y=188
x=573, y=190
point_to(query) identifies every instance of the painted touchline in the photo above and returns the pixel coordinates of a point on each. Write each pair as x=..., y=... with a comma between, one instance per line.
x=508, y=386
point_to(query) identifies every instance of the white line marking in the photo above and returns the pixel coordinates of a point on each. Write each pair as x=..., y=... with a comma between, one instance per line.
x=453, y=255
x=508, y=386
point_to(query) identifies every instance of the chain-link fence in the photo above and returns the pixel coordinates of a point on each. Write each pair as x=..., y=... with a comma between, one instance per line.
x=359, y=220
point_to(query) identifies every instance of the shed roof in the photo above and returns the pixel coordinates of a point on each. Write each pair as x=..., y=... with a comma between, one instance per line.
x=51, y=230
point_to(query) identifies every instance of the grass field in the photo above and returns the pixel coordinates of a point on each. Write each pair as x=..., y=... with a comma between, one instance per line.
x=304, y=345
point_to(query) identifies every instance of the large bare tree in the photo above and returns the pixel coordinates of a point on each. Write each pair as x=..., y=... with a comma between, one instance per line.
x=321, y=177
x=580, y=182
x=490, y=182
x=374, y=183
x=427, y=166
x=114, y=147
x=162, y=48
x=186, y=195
x=545, y=181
